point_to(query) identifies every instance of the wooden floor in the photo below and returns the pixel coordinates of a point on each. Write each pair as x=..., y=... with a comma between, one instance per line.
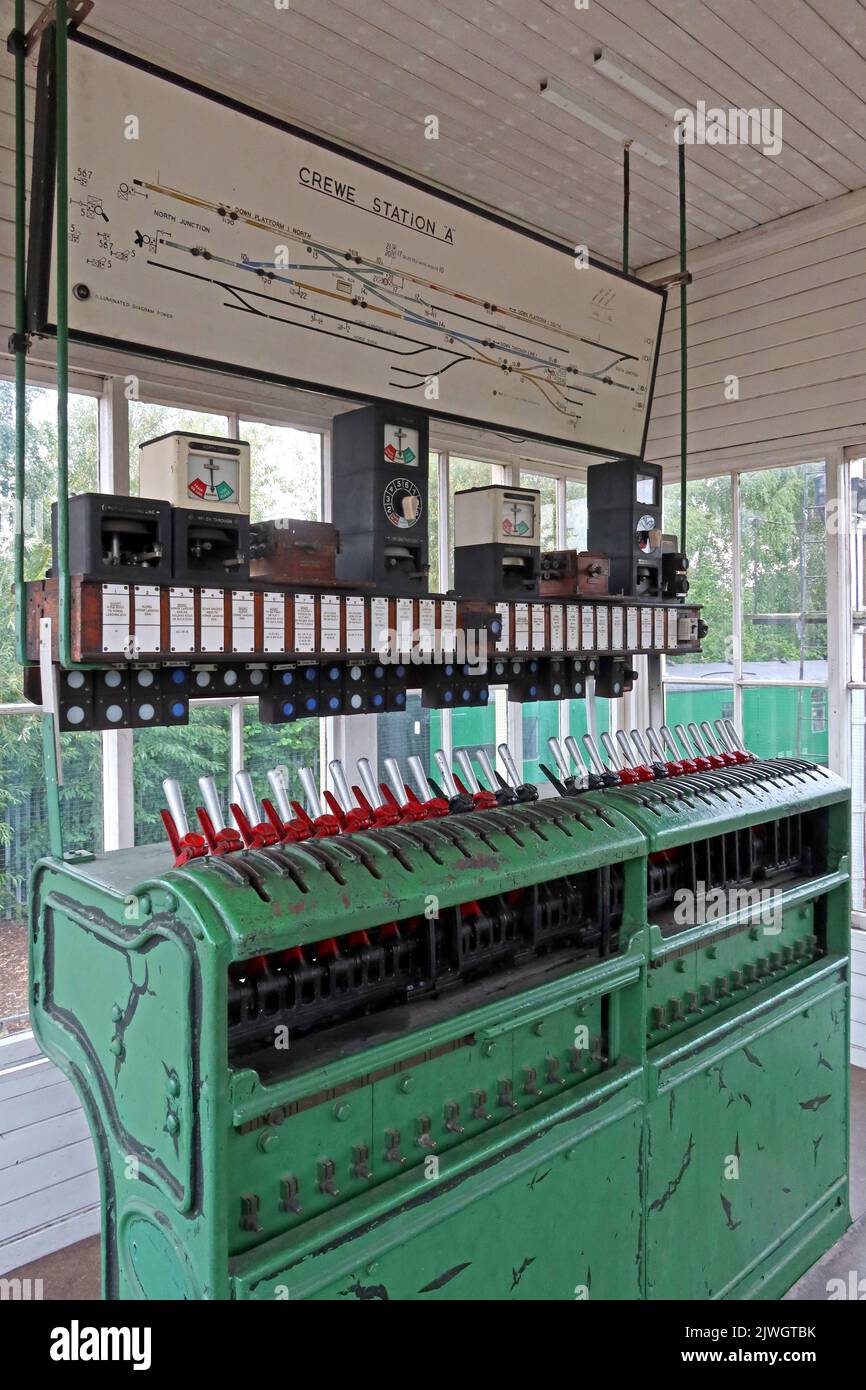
x=73, y=1273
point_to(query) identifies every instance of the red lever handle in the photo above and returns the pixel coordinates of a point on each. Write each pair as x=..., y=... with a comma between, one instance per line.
x=184, y=847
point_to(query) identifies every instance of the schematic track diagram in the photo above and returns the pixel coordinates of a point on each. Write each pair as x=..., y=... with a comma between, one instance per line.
x=302, y=263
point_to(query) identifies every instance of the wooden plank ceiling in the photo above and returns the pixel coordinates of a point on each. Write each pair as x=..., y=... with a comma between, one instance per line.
x=368, y=72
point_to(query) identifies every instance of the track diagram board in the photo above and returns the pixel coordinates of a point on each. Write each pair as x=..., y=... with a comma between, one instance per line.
x=218, y=237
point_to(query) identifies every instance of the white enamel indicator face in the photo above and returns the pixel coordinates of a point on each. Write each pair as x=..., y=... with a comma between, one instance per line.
x=518, y=518
x=212, y=480
x=401, y=446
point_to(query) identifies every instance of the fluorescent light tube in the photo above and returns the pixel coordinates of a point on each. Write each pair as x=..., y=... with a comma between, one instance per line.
x=561, y=97
x=629, y=83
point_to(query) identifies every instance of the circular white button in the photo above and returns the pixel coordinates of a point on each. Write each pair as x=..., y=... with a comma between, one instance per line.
x=113, y=679
x=146, y=712
x=75, y=680
x=114, y=714
x=145, y=678
x=75, y=714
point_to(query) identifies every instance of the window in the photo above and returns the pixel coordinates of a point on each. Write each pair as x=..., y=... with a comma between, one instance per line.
x=485, y=726
x=404, y=732
x=199, y=749
x=285, y=472
x=23, y=819
x=433, y=524
x=290, y=746
x=41, y=427
x=546, y=485
x=575, y=515
x=693, y=703
x=709, y=540
x=773, y=671
x=783, y=573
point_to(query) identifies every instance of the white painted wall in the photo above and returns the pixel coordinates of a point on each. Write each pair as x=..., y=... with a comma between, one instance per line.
x=784, y=308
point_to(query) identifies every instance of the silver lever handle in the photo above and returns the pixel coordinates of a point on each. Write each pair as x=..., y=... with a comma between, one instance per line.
x=395, y=777
x=342, y=790
x=698, y=742
x=487, y=768
x=670, y=745
x=311, y=790
x=709, y=737
x=610, y=749
x=576, y=755
x=447, y=775
x=249, y=804
x=508, y=764
x=684, y=740
x=735, y=735
x=593, y=754
x=277, y=783
x=723, y=736
x=655, y=746
x=419, y=777
x=622, y=739
x=174, y=798
x=642, y=750
x=369, y=783
x=464, y=762
x=207, y=787
x=558, y=757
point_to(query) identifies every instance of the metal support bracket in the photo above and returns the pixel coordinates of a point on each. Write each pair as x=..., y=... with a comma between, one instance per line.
x=667, y=282
x=76, y=13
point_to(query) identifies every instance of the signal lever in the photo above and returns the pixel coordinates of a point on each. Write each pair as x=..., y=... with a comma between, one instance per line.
x=684, y=762
x=626, y=775
x=602, y=776
x=482, y=799
x=586, y=780
x=658, y=769
x=701, y=764
x=370, y=799
x=257, y=833
x=568, y=785
x=186, y=844
x=524, y=791
x=431, y=796
x=221, y=838
x=459, y=800
x=401, y=797
x=714, y=746
x=341, y=805
x=323, y=823
x=642, y=771
x=737, y=743
x=499, y=789
x=697, y=742
x=673, y=768
x=289, y=828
